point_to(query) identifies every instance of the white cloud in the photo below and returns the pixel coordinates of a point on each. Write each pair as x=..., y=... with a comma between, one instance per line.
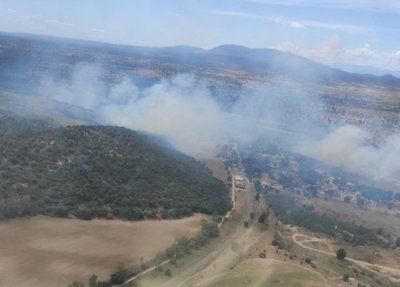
x=391, y=6
x=333, y=26
x=298, y=24
x=332, y=52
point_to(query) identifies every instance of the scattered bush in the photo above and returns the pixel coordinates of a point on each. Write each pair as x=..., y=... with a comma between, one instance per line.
x=341, y=254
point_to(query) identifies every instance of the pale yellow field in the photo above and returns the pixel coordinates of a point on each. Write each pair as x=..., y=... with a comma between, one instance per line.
x=50, y=252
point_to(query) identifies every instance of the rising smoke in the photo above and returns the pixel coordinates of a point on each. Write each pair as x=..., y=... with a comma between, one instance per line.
x=183, y=111
x=350, y=147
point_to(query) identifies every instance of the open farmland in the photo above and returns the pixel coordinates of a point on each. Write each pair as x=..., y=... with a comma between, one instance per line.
x=50, y=252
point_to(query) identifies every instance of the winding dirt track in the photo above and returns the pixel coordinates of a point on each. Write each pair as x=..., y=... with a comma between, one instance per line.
x=395, y=273
x=206, y=259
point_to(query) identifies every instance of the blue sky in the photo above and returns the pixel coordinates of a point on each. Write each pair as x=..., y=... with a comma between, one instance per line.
x=356, y=32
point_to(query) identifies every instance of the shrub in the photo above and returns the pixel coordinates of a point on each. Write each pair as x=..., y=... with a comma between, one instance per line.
x=119, y=276
x=398, y=242
x=209, y=229
x=84, y=213
x=93, y=281
x=168, y=273
x=132, y=214
x=341, y=254
x=262, y=255
x=347, y=199
x=346, y=277
x=263, y=217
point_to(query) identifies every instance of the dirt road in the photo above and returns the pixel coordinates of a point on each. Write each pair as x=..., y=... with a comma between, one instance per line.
x=194, y=272
x=210, y=257
x=394, y=273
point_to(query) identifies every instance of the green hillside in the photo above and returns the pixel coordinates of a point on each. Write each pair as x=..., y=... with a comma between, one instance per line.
x=102, y=171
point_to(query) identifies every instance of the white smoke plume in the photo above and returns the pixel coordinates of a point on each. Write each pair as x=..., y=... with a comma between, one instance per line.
x=84, y=89
x=183, y=110
x=351, y=147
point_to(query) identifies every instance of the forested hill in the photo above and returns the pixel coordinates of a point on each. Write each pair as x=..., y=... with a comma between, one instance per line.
x=102, y=171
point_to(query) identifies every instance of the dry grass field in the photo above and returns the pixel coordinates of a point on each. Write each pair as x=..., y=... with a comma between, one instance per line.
x=266, y=273
x=372, y=217
x=50, y=252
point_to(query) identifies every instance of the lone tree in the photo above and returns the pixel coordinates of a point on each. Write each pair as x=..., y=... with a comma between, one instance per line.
x=341, y=254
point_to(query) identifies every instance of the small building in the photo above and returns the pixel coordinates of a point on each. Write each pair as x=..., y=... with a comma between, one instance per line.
x=239, y=182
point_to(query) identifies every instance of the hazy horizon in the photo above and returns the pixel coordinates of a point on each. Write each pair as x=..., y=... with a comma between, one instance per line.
x=358, y=33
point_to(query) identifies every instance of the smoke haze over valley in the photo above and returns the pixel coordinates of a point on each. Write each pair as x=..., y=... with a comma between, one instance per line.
x=183, y=110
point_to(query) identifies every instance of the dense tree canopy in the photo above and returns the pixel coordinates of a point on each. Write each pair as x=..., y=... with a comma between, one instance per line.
x=99, y=171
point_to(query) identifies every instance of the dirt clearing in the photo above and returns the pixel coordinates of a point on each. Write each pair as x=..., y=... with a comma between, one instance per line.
x=49, y=252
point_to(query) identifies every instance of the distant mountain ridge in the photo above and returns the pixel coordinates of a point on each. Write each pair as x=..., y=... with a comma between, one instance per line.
x=362, y=69
x=29, y=53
